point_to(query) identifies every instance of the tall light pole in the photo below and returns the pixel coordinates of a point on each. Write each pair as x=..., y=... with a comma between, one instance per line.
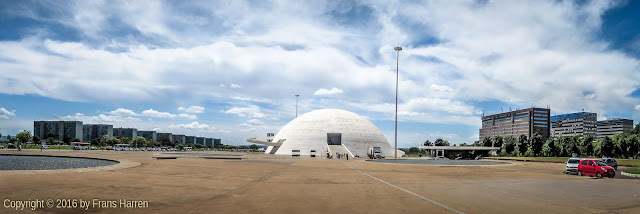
x=398, y=49
x=297, y=95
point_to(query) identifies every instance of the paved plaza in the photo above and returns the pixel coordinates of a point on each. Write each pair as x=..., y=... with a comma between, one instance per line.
x=262, y=183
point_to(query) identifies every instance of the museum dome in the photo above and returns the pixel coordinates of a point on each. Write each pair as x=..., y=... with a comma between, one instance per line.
x=319, y=129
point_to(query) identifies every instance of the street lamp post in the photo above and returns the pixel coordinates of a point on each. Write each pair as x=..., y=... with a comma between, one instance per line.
x=297, y=95
x=398, y=49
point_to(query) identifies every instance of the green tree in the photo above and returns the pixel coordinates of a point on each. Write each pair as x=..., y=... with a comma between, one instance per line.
x=414, y=150
x=255, y=147
x=522, y=144
x=139, y=141
x=634, y=145
x=529, y=153
x=113, y=141
x=23, y=136
x=547, y=148
x=498, y=141
x=606, y=147
x=477, y=143
x=487, y=141
x=164, y=140
x=535, y=143
x=50, y=141
x=509, y=144
x=427, y=143
x=35, y=139
x=586, y=145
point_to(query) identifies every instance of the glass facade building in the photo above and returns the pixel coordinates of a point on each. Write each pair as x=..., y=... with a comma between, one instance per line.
x=93, y=131
x=60, y=130
x=579, y=123
x=610, y=127
x=149, y=135
x=125, y=132
x=515, y=123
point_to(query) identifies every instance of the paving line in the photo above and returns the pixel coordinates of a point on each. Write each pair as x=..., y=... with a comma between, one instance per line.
x=407, y=191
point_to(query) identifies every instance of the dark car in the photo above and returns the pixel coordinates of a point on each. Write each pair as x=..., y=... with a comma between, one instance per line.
x=610, y=162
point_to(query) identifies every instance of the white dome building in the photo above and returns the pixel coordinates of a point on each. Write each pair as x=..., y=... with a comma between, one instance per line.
x=330, y=130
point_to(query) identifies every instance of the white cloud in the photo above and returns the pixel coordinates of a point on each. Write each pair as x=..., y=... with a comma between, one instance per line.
x=331, y=91
x=637, y=108
x=255, y=122
x=188, y=116
x=193, y=125
x=5, y=114
x=154, y=113
x=259, y=100
x=252, y=111
x=192, y=109
x=101, y=118
x=514, y=52
x=123, y=112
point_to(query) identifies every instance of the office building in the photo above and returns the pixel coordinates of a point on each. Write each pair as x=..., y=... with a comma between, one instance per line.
x=165, y=136
x=217, y=143
x=125, y=132
x=61, y=130
x=579, y=123
x=93, y=131
x=190, y=139
x=149, y=135
x=613, y=126
x=179, y=138
x=200, y=140
x=515, y=123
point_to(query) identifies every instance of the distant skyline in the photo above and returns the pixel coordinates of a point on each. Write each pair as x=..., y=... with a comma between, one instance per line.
x=231, y=70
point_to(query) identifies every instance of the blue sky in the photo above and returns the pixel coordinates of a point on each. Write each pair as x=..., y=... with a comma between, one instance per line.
x=230, y=69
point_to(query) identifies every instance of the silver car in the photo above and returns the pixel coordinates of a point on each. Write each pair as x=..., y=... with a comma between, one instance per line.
x=572, y=166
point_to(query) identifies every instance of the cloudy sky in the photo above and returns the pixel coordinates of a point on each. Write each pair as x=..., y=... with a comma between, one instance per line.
x=231, y=69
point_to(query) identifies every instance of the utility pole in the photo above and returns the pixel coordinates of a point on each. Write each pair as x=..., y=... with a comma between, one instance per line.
x=398, y=49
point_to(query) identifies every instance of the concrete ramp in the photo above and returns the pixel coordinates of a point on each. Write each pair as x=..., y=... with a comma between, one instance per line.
x=340, y=149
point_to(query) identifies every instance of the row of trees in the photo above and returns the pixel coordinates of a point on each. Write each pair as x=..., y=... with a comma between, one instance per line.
x=623, y=145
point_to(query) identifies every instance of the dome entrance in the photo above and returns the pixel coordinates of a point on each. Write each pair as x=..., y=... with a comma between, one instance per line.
x=334, y=138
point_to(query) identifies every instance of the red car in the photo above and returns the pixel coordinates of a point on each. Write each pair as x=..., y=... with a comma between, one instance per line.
x=594, y=167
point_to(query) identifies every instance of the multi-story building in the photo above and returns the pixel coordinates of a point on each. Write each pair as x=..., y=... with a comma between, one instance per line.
x=179, y=138
x=93, y=131
x=515, y=123
x=217, y=143
x=190, y=139
x=165, y=136
x=125, y=132
x=149, y=135
x=579, y=123
x=61, y=130
x=208, y=141
x=200, y=140
x=613, y=126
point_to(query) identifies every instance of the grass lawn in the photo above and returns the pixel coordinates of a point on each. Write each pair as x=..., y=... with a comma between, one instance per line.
x=621, y=162
x=633, y=171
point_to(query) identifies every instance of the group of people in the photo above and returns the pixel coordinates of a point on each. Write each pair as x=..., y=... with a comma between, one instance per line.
x=338, y=155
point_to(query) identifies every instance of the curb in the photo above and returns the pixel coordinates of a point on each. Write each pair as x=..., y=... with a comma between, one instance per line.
x=630, y=175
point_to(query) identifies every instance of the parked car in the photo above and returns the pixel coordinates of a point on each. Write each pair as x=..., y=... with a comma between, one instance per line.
x=594, y=167
x=610, y=162
x=572, y=166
